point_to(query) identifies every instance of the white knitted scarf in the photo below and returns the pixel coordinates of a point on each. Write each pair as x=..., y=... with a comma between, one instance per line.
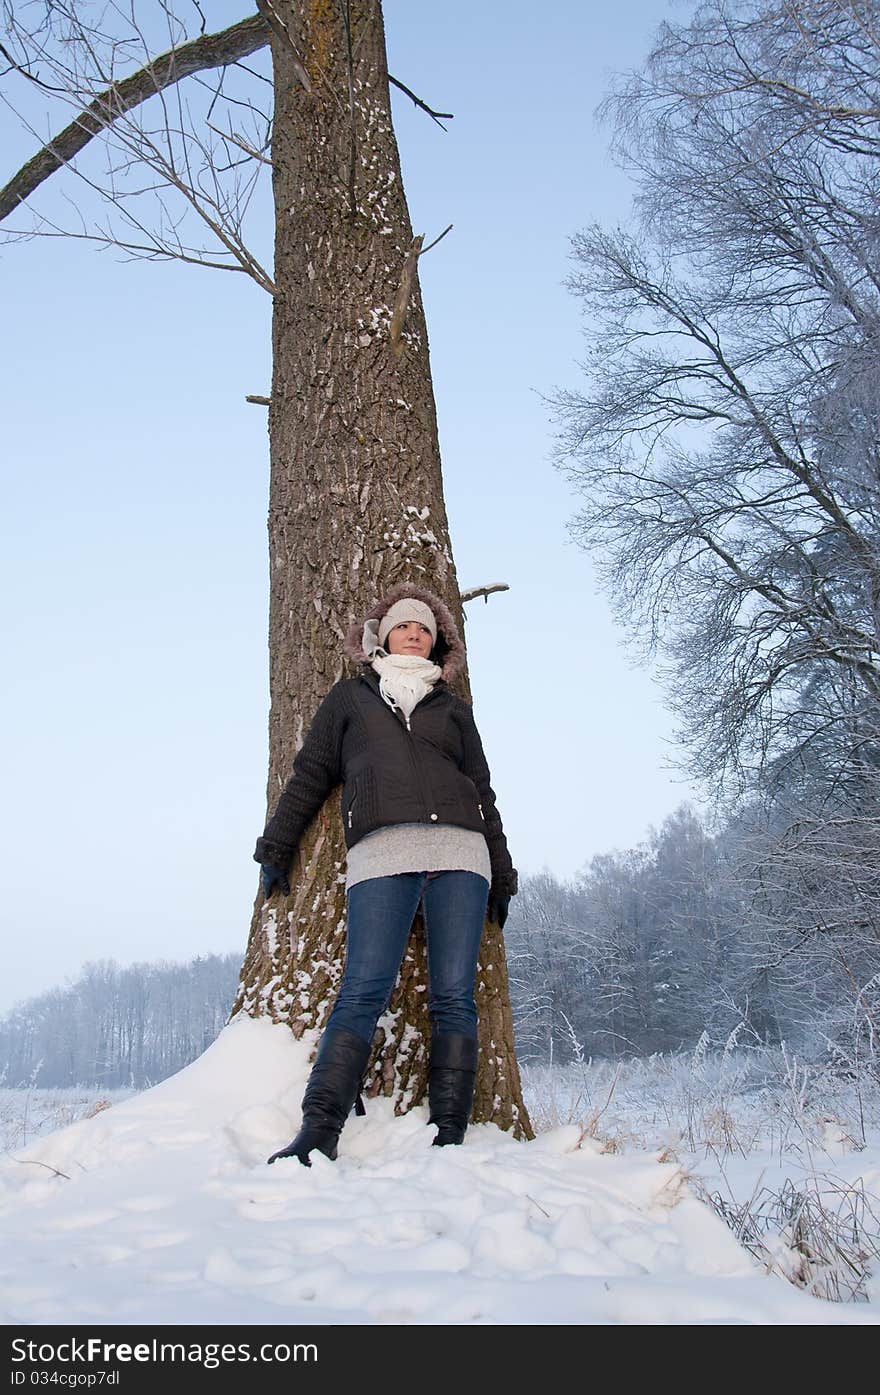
x=404, y=679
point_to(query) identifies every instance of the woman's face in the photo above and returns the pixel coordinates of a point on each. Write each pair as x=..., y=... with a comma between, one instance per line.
x=410, y=637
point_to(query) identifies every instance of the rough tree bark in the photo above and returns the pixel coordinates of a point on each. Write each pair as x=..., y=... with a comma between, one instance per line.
x=356, y=504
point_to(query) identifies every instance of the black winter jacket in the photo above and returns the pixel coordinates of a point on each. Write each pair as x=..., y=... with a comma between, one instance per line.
x=432, y=771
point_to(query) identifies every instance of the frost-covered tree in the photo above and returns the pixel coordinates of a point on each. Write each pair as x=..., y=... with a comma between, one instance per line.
x=648, y=949
x=727, y=440
x=550, y=967
x=115, y=1026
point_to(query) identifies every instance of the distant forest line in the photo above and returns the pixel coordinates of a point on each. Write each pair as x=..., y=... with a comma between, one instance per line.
x=685, y=938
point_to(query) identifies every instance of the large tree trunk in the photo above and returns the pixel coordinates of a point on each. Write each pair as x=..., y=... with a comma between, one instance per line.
x=356, y=504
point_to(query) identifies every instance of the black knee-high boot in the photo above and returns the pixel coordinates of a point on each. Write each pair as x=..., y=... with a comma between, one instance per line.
x=334, y=1086
x=451, y=1085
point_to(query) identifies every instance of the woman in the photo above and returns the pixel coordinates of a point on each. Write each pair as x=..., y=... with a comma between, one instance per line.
x=420, y=826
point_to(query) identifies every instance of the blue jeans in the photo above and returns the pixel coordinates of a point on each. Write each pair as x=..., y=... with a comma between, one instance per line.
x=380, y=917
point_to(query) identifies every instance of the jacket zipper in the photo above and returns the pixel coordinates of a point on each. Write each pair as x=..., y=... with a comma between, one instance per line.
x=404, y=720
x=351, y=805
x=416, y=767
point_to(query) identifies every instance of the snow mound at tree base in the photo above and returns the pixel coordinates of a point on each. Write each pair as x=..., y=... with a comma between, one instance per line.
x=161, y=1210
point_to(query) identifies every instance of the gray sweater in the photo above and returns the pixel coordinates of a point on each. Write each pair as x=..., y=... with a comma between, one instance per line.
x=417, y=847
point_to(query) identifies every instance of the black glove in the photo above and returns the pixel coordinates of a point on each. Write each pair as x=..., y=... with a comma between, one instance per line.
x=272, y=876
x=497, y=908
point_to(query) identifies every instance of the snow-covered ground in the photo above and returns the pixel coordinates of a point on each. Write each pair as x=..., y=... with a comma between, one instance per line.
x=788, y=1152
x=160, y=1209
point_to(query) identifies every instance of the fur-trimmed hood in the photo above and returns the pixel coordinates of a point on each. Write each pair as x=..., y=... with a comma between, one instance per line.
x=448, y=650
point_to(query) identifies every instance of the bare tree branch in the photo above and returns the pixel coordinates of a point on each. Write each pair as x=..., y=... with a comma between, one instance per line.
x=446, y=115
x=484, y=591
x=437, y=239
x=31, y=77
x=208, y=51
x=34, y=1162
x=242, y=144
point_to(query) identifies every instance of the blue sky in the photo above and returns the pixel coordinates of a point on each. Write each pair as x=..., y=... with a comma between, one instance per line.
x=135, y=480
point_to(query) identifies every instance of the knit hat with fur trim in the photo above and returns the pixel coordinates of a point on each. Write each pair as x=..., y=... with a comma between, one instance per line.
x=407, y=609
x=448, y=649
